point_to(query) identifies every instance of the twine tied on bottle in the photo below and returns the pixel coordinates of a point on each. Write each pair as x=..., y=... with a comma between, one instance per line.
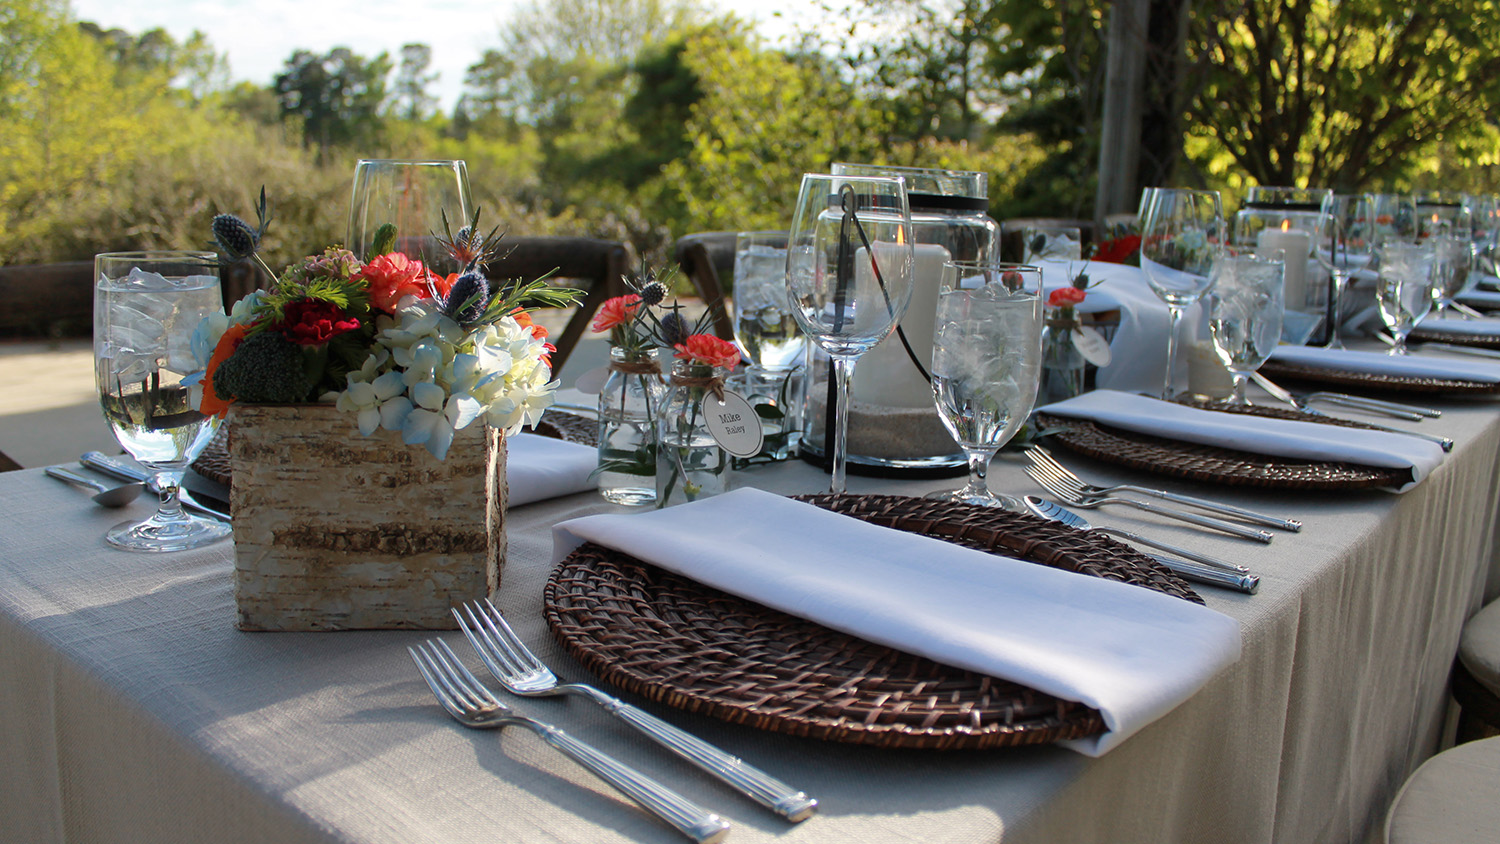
x=712, y=383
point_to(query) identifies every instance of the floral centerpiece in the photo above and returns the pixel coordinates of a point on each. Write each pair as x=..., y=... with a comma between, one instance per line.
x=634, y=396
x=368, y=402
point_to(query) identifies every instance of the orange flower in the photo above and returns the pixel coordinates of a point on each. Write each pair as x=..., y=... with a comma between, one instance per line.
x=1065, y=296
x=524, y=320
x=212, y=405
x=616, y=311
x=393, y=276
x=709, y=351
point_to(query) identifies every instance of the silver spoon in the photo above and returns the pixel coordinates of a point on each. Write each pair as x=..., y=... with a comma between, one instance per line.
x=1194, y=567
x=107, y=496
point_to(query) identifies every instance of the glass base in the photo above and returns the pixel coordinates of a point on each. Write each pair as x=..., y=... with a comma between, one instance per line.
x=630, y=496
x=156, y=536
x=986, y=499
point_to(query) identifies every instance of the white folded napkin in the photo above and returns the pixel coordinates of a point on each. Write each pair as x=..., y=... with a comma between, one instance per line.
x=1380, y=363
x=1475, y=327
x=1255, y=434
x=538, y=467
x=1131, y=653
x=1480, y=298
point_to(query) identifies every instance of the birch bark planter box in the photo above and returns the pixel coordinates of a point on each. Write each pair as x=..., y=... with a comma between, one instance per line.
x=338, y=531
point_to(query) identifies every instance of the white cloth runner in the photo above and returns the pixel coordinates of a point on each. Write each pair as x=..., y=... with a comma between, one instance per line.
x=1132, y=653
x=1476, y=327
x=538, y=467
x=1380, y=363
x=1256, y=434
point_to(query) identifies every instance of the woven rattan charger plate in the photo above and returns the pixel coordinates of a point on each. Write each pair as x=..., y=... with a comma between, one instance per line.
x=1211, y=464
x=1455, y=338
x=214, y=463
x=678, y=642
x=1343, y=378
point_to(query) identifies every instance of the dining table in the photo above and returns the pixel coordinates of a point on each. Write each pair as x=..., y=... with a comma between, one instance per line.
x=134, y=710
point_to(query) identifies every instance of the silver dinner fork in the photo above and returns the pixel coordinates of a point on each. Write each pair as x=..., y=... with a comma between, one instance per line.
x=1069, y=496
x=521, y=673
x=1044, y=462
x=1445, y=443
x=474, y=706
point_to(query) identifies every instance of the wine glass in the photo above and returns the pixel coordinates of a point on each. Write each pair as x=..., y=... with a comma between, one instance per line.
x=1180, y=238
x=986, y=364
x=1403, y=290
x=146, y=308
x=1393, y=216
x=1452, y=260
x=416, y=196
x=1245, y=314
x=849, y=274
x=1349, y=244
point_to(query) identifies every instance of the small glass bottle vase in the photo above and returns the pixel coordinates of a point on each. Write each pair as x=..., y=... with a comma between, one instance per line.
x=690, y=464
x=1062, y=363
x=628, y=404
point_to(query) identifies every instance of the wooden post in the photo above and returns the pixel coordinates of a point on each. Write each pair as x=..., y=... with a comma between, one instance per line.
x=1120, y=132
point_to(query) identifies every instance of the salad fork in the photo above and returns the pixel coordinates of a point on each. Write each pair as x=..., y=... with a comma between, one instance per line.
x=1068, y=496
x=521, y=673
x=472, y=705
x=1044, y=462
x=1445, y=443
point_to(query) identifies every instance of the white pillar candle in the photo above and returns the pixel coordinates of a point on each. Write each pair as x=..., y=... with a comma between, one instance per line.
x=1297, y=245
x=885, y=374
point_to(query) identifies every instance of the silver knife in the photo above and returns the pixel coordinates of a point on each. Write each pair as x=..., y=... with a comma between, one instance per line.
x=104, y=464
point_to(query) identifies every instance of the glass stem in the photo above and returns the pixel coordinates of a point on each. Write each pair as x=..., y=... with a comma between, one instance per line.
x=843, y=374
x=1340, y=281
x=1399, y=346
x=1176, y=312
x=1239, y=388
x=979, y=468
x=169, y=508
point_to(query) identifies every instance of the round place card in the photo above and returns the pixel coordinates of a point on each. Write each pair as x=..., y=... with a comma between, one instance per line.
x=733, y=424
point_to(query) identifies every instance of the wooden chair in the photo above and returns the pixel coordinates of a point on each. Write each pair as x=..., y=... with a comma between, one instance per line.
x=47, y=300
x=1475, y=683
x=599, y=265
x=7, y=464
x=1454, y=798
x=1012, y=234
x=705, y=258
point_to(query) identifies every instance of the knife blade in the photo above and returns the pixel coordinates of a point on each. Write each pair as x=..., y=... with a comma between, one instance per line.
x=114, y=468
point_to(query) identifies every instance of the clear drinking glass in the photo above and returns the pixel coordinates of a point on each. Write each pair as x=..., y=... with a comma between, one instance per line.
x=1452, y=261
x=1393, y=216
x=986, y=363
x=415, y=196
x=1245, y=314
x=146, y=308
x=848, y=275
x=1348, y=251
x=1181, y=236
x=1404, y=288
x=764, y=327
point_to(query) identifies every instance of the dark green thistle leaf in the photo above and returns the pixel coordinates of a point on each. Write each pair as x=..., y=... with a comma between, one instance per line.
x=384, y=241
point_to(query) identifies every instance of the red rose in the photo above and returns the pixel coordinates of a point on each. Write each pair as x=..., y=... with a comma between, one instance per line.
x=709, y=351
x=393, y=276
x=616, y=311
x=1065, y=296
x=1118, y=250
x=313, y=322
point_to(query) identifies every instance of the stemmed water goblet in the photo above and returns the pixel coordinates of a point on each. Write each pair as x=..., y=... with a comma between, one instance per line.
x=148, y=307
x=1403, y=290
x=1245, y=313
x=1349, y=243
x=1181, y=236
x=1452, y=265
x=417, y=197
x=848, y=276
x=986, y=364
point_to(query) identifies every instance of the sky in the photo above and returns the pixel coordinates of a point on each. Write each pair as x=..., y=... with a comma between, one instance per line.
x=259, y=37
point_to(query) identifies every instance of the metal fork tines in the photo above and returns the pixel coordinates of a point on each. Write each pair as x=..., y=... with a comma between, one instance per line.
x=1045, y=463
x=1071, y=495
x=472, y=705
x=521, y=673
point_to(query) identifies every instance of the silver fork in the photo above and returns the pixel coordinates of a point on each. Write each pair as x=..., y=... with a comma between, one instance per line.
x=521, y=673
x=1069, y=495
x=473, y=706
x=1445, y=443
x=1043, y=460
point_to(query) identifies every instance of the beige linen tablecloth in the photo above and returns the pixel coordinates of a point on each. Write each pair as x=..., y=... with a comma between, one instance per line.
x=132, y=711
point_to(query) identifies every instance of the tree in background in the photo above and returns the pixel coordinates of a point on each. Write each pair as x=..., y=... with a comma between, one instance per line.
x=413, y=100
x=1341, y=94
x=336, y=96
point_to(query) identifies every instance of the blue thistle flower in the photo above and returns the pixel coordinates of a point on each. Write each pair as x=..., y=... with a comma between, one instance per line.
x=674, y=329
x=235, y=237
x=653, y=294
x=472, y=288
